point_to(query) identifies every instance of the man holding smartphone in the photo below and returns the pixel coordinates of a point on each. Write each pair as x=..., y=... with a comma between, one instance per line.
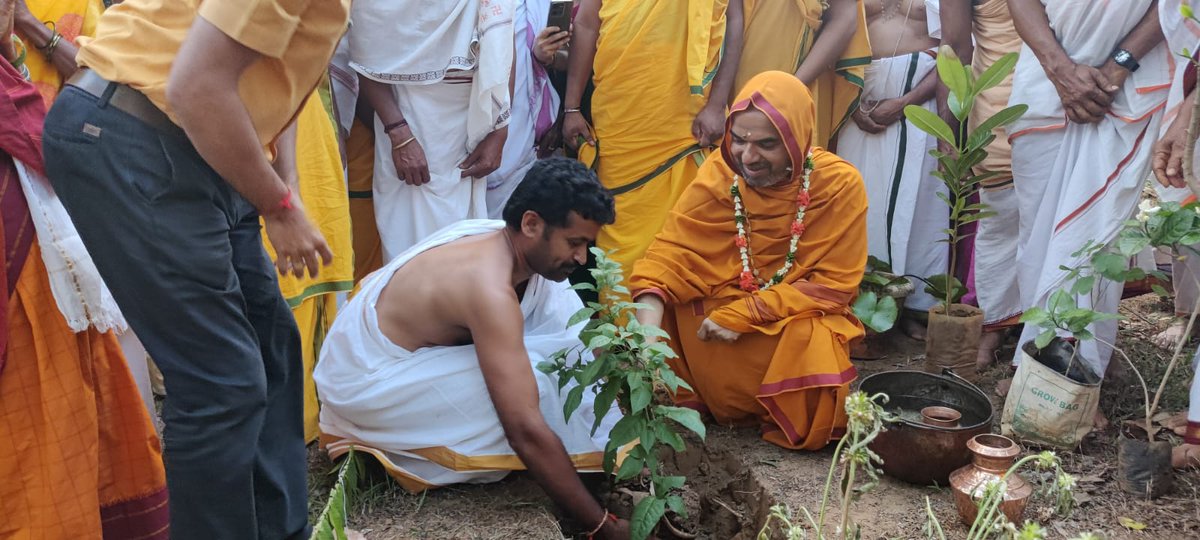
x=161, y=149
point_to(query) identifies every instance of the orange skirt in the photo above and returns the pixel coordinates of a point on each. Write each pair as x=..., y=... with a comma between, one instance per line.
x=81, y=458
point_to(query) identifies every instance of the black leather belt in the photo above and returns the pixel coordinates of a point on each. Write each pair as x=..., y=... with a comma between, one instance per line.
x=126, y=100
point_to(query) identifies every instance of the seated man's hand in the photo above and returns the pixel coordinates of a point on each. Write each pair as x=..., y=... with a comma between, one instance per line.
x=614, y=530
x=711, y=331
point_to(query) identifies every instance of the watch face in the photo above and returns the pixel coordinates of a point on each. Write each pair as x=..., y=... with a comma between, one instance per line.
x=1122, y=56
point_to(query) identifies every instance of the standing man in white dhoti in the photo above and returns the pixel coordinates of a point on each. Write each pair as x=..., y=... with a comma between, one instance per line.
x=534, y=102
x=437, y=73
x=905, y=219
x=409, y=366
x=1095, y=80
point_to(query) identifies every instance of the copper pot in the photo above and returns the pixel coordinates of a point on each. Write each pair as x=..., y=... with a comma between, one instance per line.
x=991, y=456
x=940, y=416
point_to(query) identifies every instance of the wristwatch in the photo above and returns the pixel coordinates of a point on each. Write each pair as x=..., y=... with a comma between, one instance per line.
x=1125, y=59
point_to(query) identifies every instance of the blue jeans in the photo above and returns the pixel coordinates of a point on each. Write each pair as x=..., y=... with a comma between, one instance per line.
x=182, y=253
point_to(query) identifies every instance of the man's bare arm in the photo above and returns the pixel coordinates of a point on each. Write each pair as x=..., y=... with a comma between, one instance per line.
x=735, y=27
x=495, y=322
x=1141, y=40
x=838, y=25
x=709, y=124
x=202, y=90
x=585, y=33
x=652, y=314
x=285, y=158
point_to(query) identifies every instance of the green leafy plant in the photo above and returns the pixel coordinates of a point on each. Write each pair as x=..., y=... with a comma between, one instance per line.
x=967, y=150
x=1169, y=226
x=866, y=419
x=630, y=362
x=876, y=304
x=331, y=524
x=991, y=522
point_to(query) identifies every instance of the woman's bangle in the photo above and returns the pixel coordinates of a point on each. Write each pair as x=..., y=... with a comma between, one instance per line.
x=50, y=47
x=406, y=142
x=570, y=110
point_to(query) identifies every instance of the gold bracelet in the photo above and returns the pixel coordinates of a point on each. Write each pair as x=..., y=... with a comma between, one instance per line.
x=405, y=143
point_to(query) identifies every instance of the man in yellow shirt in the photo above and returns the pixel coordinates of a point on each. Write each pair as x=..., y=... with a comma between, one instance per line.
x=156, y=149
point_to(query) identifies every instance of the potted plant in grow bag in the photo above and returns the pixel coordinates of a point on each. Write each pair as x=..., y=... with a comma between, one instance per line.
x=952, y=339
x=1055, y=395
x=1143, y=462
x=629, y=364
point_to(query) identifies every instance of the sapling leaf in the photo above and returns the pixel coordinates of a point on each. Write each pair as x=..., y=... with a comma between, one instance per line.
x=687, y=418
x=640, y=393
x=580, y=316
x=1159, y=290
x=574, y=398
x=953, y=74
x=1083, y=285
x=1035, y=316
x=929, y=122
x=668, y=436
x=1110, y=265
x=995, y=74
x=630, y=467
x=604, y=401
x=675, y=504
x=666, y=484
x=626, y=429
x=1044, y=338
x=646, y=516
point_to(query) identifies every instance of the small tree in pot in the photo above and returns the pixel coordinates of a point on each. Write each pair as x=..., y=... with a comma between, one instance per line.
x=954, y=329
x=1144, y=466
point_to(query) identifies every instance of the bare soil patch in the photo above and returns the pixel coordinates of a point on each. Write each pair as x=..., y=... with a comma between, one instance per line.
x=734, y=478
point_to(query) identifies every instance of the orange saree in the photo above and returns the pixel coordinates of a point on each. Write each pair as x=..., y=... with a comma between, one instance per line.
x=790, y=370
x=78, y=454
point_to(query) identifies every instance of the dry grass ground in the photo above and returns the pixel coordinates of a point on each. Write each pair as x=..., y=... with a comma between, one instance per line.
x=734, y=477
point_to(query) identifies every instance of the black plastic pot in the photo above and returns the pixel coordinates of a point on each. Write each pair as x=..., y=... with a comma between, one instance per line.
x=1144, y=468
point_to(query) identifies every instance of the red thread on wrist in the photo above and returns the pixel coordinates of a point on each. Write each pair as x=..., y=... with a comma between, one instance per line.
x=286, y=202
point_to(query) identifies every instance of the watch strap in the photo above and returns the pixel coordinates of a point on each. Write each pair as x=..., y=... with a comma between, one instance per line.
x=1125, y=59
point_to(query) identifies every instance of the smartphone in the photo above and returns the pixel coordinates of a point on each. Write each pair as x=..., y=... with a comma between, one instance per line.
x=560, y=14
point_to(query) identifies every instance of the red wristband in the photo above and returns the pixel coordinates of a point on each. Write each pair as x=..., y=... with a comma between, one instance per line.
x=285, y=203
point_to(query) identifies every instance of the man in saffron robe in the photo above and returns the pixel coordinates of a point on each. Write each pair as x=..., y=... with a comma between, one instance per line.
x=761, y=321
x=80, y=456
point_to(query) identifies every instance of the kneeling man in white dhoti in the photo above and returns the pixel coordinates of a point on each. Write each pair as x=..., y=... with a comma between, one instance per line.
x=407, y=369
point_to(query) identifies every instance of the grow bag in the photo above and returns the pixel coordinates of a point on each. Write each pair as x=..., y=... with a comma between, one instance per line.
x=1052, y=401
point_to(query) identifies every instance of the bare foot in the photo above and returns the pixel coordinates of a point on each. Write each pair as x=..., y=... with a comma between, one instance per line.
x=1185, y=455
x=1169, y=337
x=1003, y=386
x=989, y=342
x=1099, y=422
x=913, y=328
x=1177, y=423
